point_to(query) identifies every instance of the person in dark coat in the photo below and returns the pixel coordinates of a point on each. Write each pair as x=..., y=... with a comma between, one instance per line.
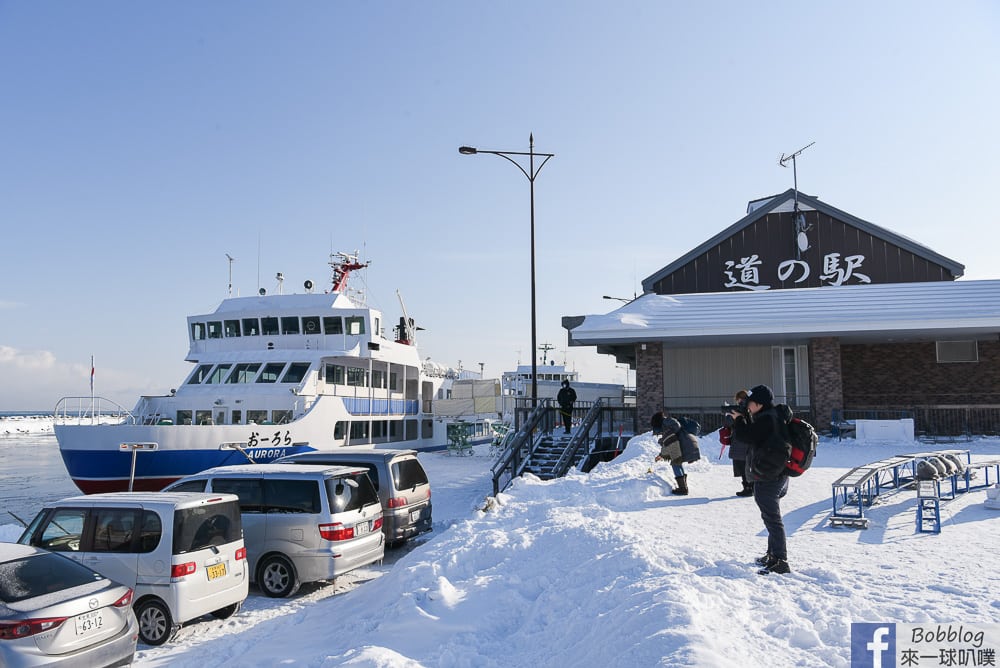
x=677, y=446
x=768, y=449
x=566, y=398
x=737, y=447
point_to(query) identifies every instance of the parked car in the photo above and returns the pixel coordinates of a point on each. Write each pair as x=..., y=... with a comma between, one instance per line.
x=183, y=554
x=54, y=611
x=398, y=476
x=301, y=523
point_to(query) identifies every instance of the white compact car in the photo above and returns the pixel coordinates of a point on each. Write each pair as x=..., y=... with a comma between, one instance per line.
x=183, y=554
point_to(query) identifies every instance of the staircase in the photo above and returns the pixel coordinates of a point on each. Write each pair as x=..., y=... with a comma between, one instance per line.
x=545, y=456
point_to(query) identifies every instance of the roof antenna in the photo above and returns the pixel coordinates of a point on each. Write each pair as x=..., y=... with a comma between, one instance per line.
x=801, y=240
x=230, y=258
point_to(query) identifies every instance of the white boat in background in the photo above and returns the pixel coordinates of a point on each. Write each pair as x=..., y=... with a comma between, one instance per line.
x=273, y=375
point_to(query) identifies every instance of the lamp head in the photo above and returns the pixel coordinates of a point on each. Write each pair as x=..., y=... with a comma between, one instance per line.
x=467, y=150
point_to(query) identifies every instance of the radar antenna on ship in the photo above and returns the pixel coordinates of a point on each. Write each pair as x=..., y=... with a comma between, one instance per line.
x=343, y=264
x=545, y=348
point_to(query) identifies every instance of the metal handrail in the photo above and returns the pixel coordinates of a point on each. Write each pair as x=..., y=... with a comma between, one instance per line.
x=510, y=460
x=92, y=408
x=579, y=438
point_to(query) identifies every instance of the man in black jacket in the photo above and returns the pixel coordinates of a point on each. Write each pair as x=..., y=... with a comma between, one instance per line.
x=566, y=399
x=762, y=429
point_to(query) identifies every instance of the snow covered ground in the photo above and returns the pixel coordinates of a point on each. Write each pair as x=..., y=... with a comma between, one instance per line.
x=610, y=569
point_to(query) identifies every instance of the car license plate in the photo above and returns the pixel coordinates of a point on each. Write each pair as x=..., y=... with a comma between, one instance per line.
x=362, y=528
x=216, y=571
x=88, y=623
x=415, y=516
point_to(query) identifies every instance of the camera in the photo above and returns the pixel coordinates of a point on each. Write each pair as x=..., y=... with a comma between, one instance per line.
x=740, y=408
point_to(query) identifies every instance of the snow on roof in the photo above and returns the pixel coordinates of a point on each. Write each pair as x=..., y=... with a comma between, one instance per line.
x=966, y=309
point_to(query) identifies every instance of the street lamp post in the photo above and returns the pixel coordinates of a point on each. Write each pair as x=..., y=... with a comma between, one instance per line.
x=530, y=173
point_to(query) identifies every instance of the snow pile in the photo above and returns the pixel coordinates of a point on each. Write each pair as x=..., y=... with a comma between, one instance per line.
x=610, y=569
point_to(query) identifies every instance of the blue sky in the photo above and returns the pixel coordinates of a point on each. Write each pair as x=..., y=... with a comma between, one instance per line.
x=142, y=142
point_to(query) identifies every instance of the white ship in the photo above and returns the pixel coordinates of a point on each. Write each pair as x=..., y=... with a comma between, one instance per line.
x=273, y=375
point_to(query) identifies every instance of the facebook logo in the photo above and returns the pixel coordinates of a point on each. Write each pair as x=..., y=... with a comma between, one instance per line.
x=873, y=645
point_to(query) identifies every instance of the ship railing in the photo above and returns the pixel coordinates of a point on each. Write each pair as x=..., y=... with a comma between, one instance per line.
x=365, y=406
x=95, y=410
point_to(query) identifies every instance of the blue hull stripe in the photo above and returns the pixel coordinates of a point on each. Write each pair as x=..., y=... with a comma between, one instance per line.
x=102, y=464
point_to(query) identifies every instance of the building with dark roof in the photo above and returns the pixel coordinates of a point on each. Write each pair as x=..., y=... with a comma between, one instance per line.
x=833, y=312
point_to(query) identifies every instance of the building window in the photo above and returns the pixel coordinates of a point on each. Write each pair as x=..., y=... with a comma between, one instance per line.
x=957, y=351
x=789, y=368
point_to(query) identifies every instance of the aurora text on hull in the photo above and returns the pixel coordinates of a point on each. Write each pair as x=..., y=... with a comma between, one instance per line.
x=273, y=375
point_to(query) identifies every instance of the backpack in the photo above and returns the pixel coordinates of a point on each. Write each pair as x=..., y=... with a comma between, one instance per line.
x=803, y=439
x=690, y=425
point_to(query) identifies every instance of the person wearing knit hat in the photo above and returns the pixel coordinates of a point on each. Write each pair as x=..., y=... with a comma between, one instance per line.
x=767, y=454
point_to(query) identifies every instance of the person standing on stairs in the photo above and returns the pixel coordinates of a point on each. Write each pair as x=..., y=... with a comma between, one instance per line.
x=566, y=398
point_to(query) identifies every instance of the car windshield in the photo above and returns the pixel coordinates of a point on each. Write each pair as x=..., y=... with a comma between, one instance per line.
x=41, y=574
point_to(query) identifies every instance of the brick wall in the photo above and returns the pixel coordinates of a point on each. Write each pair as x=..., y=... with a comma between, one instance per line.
x=648, y=382
x=825, y=379
x=908, y=374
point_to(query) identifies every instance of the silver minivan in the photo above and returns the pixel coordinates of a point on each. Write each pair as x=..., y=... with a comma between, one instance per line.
x=400, y=479
x=300, y=523
x=183, y=554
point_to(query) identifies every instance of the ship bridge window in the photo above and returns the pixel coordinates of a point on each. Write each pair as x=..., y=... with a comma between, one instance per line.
x=251, y=327
x=296, y=372
x=200, y=374
x=290, y=325
x=271, y=372
x=334, y=374
x=197, y=331
x=310, y=324
x=355, y=325
x=269, y=326
x=183, y=417
x=214, y=329
x=256, y=417
x=333, y=324
x=232, y=328
x=243, y=373
x=218, y=374
x=356, y=376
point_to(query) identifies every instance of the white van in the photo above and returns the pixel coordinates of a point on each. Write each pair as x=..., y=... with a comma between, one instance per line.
x=301, y=523
x=183, y=554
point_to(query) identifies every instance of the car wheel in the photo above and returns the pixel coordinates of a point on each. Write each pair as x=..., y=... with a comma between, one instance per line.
x=228, y=611
x=155, y=622
x=277, y=578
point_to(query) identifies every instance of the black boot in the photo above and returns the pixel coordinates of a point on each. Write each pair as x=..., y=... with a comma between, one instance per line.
x=747, y=489
x=682, y=485
x=779, y=566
